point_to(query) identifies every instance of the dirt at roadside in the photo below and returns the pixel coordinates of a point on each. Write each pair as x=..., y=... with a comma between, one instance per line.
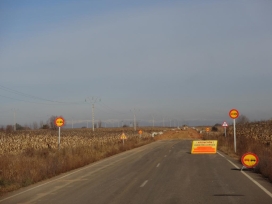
x=179, y=134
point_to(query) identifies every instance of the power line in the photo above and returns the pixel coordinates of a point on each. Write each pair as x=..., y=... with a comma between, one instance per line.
x=22, y=100
x=110, y=109
x=33, y=97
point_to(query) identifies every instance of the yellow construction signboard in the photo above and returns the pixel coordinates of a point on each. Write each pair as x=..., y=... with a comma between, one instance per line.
x=204, y=147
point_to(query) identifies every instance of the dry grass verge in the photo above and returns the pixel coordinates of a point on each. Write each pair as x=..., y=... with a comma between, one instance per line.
x=33, y=166
x=27, y=157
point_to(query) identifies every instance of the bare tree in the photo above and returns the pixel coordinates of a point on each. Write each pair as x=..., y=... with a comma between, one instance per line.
x=99, y=124
x=51, y=122
x=9, y=128
x=35, y=125
x=27, y=127
x=41, y=124
x=242, y=119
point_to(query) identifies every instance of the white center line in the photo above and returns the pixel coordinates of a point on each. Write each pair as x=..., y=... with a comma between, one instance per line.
x=143, y=184
x=158, y=164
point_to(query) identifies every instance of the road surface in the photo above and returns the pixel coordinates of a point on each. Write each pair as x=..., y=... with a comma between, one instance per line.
x=161, y=172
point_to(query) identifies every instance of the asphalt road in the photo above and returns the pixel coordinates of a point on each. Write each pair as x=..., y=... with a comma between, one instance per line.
x=162, y=172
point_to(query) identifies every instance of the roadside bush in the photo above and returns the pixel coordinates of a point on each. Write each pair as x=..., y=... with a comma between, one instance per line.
x=214, y=129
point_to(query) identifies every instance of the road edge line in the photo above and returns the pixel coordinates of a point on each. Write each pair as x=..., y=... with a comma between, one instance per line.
x=253, y=180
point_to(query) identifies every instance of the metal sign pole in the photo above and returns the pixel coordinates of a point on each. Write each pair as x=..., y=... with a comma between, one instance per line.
x=234, y=135
x=59, y=138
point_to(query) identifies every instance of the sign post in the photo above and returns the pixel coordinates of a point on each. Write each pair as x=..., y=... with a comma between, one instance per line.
x=249, y=160
x=233, y=113
x=207, y=130
x=59, y=121
x=225, y=125
x=123, y=137
x=140, y=133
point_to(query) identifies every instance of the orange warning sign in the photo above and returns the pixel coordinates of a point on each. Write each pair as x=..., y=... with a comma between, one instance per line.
x=123, y=136
x=204, y=147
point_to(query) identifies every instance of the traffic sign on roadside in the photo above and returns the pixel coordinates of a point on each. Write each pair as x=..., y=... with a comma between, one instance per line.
x=123, y=136
x=250, y=160
x=59, y=121
x=204, y=147
x=234, y=113
x=225, y=125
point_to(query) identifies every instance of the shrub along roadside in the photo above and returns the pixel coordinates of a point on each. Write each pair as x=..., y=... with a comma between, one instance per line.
x=244, y=145
x=36, y=165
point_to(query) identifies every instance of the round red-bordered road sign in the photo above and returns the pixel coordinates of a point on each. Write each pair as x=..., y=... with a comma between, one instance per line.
x=233, y=113
x=250, y=160
x=59, y=121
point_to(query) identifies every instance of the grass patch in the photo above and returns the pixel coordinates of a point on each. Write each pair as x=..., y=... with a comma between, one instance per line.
x=32, y=165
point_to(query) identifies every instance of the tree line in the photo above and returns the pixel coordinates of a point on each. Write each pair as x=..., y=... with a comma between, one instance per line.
x=49, y=124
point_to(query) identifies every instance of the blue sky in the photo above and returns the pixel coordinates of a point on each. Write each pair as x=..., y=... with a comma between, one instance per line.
x=186, y=61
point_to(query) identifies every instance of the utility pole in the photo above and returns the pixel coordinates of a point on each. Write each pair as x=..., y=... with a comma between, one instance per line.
x=93, y=102
x=14, y=118
x=134, y=119
x=134, y=122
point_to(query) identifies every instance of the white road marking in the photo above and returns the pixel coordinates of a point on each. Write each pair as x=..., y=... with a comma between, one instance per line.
x=259, y=185
x=143, y=184
x=221, y=154
x=158, y=164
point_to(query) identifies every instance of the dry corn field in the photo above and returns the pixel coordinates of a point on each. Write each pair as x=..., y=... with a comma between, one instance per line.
x=19, y=141
x=261, y=131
